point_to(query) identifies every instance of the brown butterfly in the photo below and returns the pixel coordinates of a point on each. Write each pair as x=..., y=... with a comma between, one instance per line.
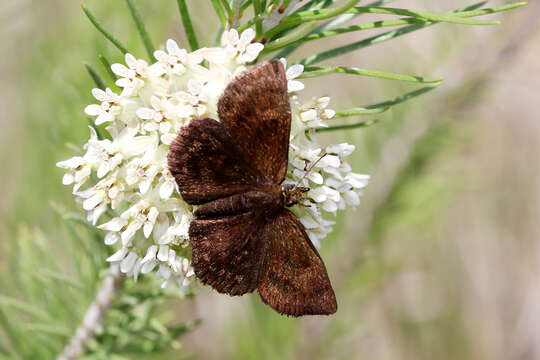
x=244, y=238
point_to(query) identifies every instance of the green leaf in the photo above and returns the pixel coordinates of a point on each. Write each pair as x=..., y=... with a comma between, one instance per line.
x=227, y=8
x=219, y=12
x=48, y=329
x=315, y=71
x=307, y=16
x=291, y=37
x=188, y=25
x=258, y=10
x=141, y=29
x=471, y=13
x=19, y=305
x=100, y=28
x=107, y=65
x=328, y=33
x=358, y=125
x=61, y=278
x=426, y=16
x=360, y=111
x=95, y=76
x=328, y=26
x=325, y=55
x=467, y=12
x=403, y=98
x=14, y=336
x=385, y=105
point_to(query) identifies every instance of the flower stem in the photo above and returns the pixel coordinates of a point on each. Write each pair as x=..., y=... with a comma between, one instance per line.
x=95, y=315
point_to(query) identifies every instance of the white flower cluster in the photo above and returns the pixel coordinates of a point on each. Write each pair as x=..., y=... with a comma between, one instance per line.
x=146, y=214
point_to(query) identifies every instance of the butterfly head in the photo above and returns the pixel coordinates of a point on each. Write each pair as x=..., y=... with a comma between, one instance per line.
x=292, y=194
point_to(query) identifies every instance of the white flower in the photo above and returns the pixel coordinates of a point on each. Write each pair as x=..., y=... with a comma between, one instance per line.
x=292, y=73
x=78, y=171
x=128, y=168
x=106, y=155
x=109, y=108
x=142, y=172
x=240, y=47
x=133, y=76
x=175, y=61
x=195, y=99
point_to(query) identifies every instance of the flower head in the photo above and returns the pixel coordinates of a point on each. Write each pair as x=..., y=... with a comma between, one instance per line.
x=149, y=221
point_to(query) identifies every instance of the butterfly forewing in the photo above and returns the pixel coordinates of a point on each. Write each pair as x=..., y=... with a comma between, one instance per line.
x=255, y=109
x=208, y=164
x=294, y=280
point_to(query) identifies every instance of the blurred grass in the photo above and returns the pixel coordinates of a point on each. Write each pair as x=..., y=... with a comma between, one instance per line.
x=399, y=294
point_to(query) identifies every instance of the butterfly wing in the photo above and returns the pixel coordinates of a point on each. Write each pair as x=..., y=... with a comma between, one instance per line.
x=255, y=109
x=227, y=252
x=207, y=163
x=294, y=280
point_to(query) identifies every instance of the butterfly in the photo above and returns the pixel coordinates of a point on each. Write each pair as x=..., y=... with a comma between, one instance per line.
x=243, y=236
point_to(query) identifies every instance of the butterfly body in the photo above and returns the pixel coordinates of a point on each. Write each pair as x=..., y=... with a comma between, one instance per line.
x=243, y=237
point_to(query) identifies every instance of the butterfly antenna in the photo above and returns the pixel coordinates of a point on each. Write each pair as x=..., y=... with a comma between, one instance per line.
x=309, y=169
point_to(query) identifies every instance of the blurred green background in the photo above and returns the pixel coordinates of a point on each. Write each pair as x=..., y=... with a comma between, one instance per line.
x=440, y=261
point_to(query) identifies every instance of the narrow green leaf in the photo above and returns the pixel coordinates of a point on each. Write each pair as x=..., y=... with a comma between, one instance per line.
x=472, y=13
x=48, y=329
x=14, y=336
x=227, y=8
x=325, y=55
x=258, y=10
x=95, y=76
x=19, y=305
x=100, y=28
x=245, y=5
x=360, y=111
x=403, y=98
x=385, y=105
x=361, y=124
x=141, y=29
x=467, y=12
x=449, y=18
x=107, y=65
x=328, y=33
x=220, y=13
x=56, y=276
x=302, y=17
x=328, y=26
x=291, y=37
x=315, y=71
x=188, y=25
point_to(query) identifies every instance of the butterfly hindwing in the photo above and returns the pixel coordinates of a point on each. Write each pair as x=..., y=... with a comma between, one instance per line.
x=255, y=109
x=208, y=164
x=293, y=280
x=227, y=252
